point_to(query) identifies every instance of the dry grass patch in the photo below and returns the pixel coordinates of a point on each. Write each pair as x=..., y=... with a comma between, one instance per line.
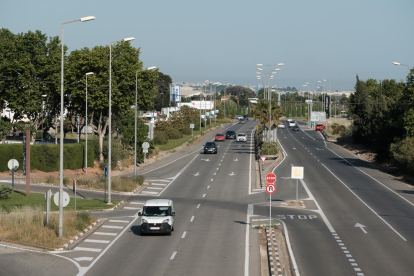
x=28, y=225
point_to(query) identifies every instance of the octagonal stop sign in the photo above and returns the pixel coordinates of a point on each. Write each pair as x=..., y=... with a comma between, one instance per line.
x=270, y=178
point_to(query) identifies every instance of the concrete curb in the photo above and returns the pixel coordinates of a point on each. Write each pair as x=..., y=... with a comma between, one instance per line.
x=66, y=245
x=116, y=206
x=272, y=247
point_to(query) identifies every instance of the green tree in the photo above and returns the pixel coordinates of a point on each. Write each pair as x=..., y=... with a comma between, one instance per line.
x=163, y=94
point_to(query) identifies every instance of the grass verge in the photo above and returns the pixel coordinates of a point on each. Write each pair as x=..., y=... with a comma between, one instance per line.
x=28, y=225
x=18, y=199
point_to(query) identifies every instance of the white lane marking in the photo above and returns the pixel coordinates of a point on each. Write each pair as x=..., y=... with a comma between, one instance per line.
x=154, y=188
x=104, y=234
x=112, y=227
x=232, y=173
x=192, y=218
x=155, y=180
x=208, y=187
x=146, y=192
x=361, y=226
x=198, y=206
x=173, y=255
x=159, y=184
x=246, y=245
x=204, y=195
x=136, y=202
x=215, y=173
x=178, y=175
x=183, y=236
x=132, y=208
x=83, y=259
x=84, y=270
x=412, y=204
x=121, y=221
x=197, y=174
x=292, y=257
x=212, y=179
x=372, y=210
x=206, y=159
x=88, y=249
x=96, y=241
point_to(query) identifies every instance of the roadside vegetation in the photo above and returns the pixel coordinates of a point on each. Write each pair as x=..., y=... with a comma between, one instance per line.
x=27, y=225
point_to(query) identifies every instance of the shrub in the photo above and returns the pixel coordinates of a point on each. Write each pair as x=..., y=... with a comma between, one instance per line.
x=186, y=131
x=175, y=134
x=272, y=150
x=117, y=152
x=403, y=153
x=160, y=138
x=5, y=191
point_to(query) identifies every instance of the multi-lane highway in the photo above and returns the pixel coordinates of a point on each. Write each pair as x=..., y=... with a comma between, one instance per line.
x=356, y=220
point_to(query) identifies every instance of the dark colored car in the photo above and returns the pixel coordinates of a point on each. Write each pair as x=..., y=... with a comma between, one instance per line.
x=230, y=134
x=220, y=137
x=319, y=127
x=210, y=147
x=246, y=117
x=295, y=128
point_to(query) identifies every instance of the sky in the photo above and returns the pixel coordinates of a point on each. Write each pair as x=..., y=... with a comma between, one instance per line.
x=223, y=40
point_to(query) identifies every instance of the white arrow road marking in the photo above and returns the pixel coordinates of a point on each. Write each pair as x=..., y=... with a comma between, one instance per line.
x=318, y=149
x=236, y=160
x=361, y=226
x=83, y=259
x=232, y=173
x=197, y=174
x=206, y=159
x=294, y=148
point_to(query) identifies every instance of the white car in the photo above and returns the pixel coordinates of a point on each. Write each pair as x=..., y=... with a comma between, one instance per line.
x=241, y=137
x=281, y=125
x=292, y=124
x=238, y=117
x=157, y=216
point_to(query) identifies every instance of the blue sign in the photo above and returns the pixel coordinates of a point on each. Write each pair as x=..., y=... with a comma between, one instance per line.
x=208, y=114
x=217, y=112
x=290, y=115
x=106, y=171
x=312, y=123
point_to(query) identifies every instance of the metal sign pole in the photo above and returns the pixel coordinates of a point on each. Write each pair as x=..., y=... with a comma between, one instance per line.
x=297, y=186
x=12, y=178
x=270, y=209
x=74, y=190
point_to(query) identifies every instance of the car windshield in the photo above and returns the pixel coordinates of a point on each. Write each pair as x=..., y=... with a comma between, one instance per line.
x=241, y=134
x=231, y=132
x=210, y=144
x=219, y=134
x=160, y=211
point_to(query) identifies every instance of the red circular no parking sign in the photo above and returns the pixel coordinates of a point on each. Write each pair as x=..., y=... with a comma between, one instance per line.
x=270, y=188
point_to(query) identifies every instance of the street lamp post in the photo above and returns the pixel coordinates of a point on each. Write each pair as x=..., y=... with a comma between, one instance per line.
x=83, y=19
x=136, y=115
x=86, y=124
x=408, y=67
x=110, y=115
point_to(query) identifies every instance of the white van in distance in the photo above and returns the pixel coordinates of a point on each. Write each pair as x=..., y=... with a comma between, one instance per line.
x=157, y=216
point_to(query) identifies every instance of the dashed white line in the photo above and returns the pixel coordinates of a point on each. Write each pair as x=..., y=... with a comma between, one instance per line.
x=104, y=234
x=215, y=173
x=173, y=255
x=96, y=241
x=212, y=179
x=208, y=187
x=192, y=218
x=183, y=236
x=198, y=206
x=204, y=195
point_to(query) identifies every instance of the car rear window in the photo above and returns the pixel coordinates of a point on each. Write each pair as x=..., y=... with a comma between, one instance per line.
x=230, y=132
x=210, y=144
x=241, y=134
x=219, y=134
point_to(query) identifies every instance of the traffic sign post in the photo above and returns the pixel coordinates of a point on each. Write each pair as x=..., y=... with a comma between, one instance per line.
x=312, y=124
x=48, y=195
x=13, y=165
x=270, y=189
x=191, y=126
x=297, y=173
x=270, y=178
x=145, y=147
x=263, y=160
x=106, y=175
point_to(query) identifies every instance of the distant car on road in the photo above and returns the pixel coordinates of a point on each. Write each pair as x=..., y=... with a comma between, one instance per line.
x=220, y=137
x=210, y=147
x=238, y=117
x=295, y=128
x=319, y=127
x=281, y=125
x=241, y=137
x=230, y=134
x=241, y=121
x=246, y=117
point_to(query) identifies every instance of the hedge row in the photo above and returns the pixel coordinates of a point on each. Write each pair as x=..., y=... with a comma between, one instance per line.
x=46, y=157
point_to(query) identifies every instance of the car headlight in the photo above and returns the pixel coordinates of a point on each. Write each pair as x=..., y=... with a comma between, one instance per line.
x=166, y=220
x=144, y=221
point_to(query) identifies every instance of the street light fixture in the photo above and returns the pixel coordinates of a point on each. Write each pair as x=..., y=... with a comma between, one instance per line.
x=86, y=124
x=83, y=19
x=110, y=115
x=408, y=67
x=135, y=132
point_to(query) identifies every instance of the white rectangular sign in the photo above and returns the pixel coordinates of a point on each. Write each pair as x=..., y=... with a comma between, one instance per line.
x=318, y=116
x=191, y=125
x=297, y=173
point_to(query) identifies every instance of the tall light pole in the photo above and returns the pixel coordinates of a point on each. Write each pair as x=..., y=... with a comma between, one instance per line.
x=408, y=67
x=110, y=115
x=86, y=124
x=136, y=115
x=83, y=19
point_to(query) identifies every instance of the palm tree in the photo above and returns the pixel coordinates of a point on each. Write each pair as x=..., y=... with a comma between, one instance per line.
x=261, y=112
